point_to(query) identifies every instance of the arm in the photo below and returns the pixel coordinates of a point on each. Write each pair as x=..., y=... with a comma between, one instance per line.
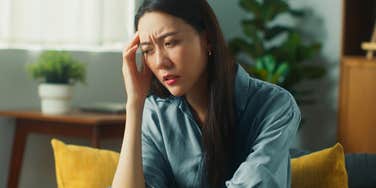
x=153, y=170
x=129, y=171
x=268, y=164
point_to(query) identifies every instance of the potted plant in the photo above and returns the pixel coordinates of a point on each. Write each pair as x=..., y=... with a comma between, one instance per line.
x=270, y=49
x=58, y=72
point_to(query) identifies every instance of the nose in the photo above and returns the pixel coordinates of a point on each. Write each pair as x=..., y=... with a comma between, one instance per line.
x=162, y=60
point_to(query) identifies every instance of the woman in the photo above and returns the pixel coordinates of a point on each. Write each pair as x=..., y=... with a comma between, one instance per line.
x=194, y=117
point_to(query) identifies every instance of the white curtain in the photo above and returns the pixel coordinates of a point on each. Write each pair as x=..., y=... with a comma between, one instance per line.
x=71, y=24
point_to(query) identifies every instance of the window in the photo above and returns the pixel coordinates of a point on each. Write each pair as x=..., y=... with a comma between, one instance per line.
x=66, y=24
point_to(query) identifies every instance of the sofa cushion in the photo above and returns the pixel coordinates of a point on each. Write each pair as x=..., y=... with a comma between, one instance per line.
x=324, y=169
x=83, y=167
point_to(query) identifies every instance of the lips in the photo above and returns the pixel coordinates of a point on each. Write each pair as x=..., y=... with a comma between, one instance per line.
x=170, y=79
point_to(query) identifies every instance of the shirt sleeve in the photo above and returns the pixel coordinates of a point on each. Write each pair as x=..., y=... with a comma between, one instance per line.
x=268, y=163
x=157, y=171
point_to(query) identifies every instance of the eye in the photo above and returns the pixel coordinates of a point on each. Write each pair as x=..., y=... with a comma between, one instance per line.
x=171, y=43
x=147, y=51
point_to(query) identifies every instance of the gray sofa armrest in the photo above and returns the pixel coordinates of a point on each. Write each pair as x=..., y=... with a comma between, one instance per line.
x=361, y=170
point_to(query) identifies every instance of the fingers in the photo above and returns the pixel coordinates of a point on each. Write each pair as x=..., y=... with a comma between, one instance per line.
x=132, y=50
x=129, y=51
x=135, y=40
x=129, y=58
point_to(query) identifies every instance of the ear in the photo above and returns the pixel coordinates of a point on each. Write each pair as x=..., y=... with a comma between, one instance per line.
x=205, y=40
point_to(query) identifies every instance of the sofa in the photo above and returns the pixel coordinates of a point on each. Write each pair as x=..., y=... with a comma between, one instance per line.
x=86, y=167
x=360, y=168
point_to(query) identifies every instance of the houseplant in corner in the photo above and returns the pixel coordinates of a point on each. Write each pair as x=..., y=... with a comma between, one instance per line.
x=58, y=72
x=276, y=52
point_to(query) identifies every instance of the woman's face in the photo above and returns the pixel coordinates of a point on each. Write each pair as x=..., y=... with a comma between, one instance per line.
x=174, y=51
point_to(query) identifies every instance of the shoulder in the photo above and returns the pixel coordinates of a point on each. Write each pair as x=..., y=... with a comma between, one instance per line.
x=275, y=99
x=155, y=103
x=158, y=112
x=260, y=97
x=160, y=108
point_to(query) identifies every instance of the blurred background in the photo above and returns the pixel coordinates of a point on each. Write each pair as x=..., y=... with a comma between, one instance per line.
x=95, y=31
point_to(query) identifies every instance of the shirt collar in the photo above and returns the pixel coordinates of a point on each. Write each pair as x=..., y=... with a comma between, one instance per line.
x=241, y=94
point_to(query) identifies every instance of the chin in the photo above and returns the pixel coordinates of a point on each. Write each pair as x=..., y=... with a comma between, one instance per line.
x=177, y=92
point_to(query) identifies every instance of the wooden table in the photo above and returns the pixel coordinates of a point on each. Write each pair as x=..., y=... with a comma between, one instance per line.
x=93, y=126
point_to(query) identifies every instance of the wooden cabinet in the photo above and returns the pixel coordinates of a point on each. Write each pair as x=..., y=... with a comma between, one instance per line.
x=357, y=91
x=357, y=105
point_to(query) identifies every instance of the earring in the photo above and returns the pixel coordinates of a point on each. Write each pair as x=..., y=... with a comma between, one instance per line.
x=209, y=53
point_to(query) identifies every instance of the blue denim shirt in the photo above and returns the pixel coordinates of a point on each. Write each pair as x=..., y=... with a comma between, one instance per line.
x=267, y=121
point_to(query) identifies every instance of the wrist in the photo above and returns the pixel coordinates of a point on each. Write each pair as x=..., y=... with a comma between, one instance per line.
x=135, y=103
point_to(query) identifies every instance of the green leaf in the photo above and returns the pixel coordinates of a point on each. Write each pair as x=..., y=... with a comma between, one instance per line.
x=249, y=28
x=259, y=25
x=275, y=31
x=57, y=67
x=259, y=64
x=289, y=47
x=252, y=6
x=273, y=8
x=269, y=63
x=282, y=69
x=238, y=45
x=281, y=73
x=296, y=13
x=234, y=45
x=308, y=51
x=267, y=69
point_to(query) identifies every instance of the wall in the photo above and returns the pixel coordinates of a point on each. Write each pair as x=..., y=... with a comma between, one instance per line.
x=324, y=22
x=17, y=90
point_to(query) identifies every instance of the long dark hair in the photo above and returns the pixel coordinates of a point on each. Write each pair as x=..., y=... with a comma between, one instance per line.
x=220, y=121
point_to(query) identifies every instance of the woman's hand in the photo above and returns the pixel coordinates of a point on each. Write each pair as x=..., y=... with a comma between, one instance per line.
x=137, y=84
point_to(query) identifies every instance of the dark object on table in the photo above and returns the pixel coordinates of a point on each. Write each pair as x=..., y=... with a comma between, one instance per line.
x=104, y=107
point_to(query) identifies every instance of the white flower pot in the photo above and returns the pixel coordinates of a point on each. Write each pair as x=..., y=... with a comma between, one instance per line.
x=55, y=98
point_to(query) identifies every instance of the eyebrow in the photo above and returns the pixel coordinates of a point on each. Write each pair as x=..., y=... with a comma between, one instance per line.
x=161, y=37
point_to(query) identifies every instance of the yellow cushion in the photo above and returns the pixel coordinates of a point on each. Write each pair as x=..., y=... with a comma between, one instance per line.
x=321, y=169
x=83, y=167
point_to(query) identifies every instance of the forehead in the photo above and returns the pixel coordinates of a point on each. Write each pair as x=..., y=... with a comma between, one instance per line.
x=153, y=24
